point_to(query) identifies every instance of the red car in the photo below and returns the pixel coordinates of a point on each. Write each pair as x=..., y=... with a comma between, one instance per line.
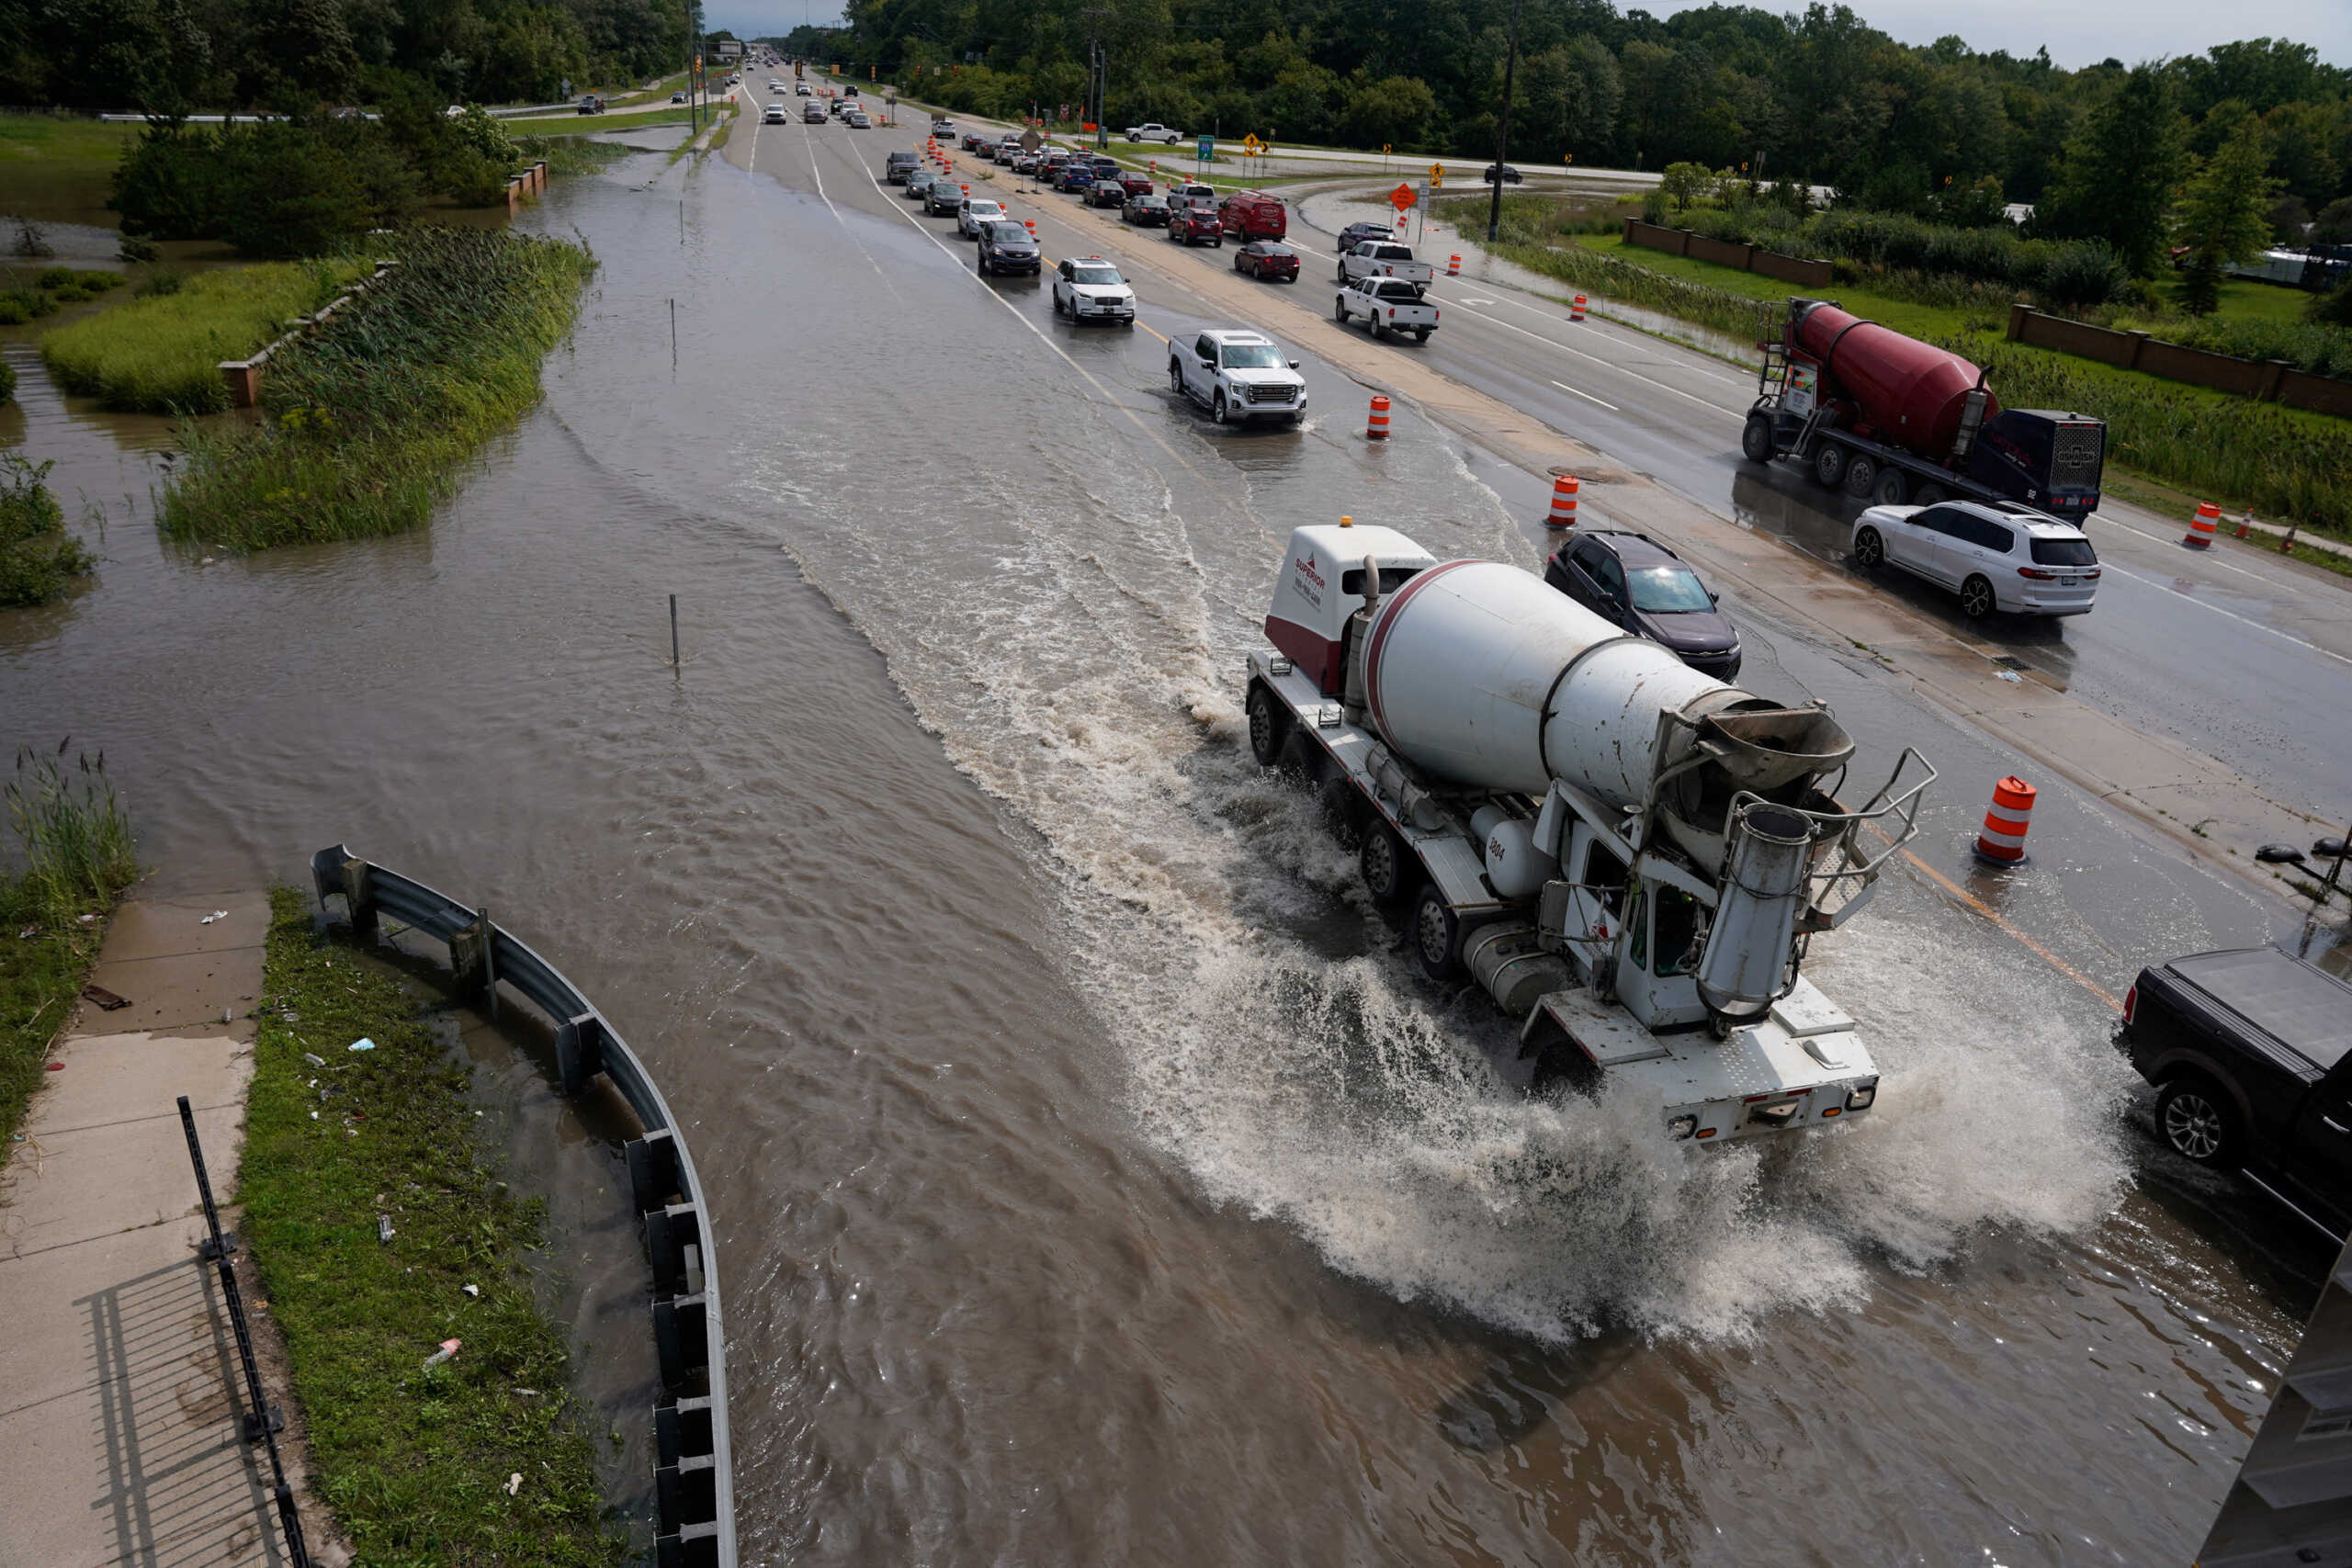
x=1137, y=184
x=1196, y=225
x=1252, y=215
x=1269, y=261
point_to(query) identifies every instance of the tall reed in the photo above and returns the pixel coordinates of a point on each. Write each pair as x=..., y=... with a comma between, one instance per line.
x=72, y=831
x=370, y=421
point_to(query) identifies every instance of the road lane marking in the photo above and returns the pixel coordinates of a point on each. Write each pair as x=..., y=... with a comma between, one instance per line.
x=1972, y=901
x=1588, y=396
x=2242, y=620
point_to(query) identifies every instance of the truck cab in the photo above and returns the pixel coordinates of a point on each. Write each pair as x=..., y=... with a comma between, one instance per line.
x=1321, y=585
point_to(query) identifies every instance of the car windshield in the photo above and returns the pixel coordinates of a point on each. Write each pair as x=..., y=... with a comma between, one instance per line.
x=1094, y=275
x=1251, y=356
x=1667, y=590
x=1151, y=202
x=2064, y=552
x=986, y=209
x=1000, y=232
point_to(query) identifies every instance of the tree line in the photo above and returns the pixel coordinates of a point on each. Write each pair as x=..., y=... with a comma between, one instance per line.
x=169, y=58
x=1817, y=96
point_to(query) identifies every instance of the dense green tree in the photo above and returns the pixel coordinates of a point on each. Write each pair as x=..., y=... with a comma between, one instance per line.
x=2224, y=210
x=2116, y=178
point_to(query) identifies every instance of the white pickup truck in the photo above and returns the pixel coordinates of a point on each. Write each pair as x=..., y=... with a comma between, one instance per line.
x=1155, y=131
x=1388, y=305
x=1384, y=258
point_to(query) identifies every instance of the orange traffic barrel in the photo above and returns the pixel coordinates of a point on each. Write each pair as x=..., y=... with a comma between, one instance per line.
x=1454, y=267
x=1575, y=309
x=2200, y=530
x=2002, y=840
x=1376, y=427
x=1564, y=502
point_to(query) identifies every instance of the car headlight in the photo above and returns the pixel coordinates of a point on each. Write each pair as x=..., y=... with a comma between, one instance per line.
x=1859, y=1099
x=1681, y=1126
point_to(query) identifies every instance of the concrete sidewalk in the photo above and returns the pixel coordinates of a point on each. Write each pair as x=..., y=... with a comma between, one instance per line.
x=120, y=1382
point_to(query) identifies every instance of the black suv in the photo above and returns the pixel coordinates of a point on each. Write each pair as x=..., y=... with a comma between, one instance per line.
x=898, y=166
x=2252, y=1050
x=1637, y=582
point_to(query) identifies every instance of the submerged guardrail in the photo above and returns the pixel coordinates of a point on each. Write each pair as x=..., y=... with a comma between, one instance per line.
x=694, y=1480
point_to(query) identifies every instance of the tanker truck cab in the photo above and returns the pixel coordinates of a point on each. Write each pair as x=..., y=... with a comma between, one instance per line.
x=1629, y=856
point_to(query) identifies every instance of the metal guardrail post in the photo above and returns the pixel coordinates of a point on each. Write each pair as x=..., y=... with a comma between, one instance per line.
x=694, y=1481
x=263, y=1422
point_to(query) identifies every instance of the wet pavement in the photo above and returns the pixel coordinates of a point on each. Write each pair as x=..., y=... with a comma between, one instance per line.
x=1094, y=1178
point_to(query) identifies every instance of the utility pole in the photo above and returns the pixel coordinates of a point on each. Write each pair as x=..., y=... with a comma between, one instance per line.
x=1098, y=72
x=1502, y=136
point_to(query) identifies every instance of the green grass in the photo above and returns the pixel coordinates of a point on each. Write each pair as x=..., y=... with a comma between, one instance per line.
x=38, y=559
x=412, y=1462
x=161, y=354
x=59, y=168
x=370, y=421
x=73, y=841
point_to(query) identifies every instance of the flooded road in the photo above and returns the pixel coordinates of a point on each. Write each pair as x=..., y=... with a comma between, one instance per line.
x=1095, y=1182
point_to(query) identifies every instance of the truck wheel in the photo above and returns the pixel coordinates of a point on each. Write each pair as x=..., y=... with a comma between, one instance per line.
x=1976, y=600
x=1217, y=409
x=1829, y=464
x=1175, y=372
x=1269, y=727
x=1437, y=934
x=1861, y=476
x=2198, y=1123
x=1339, y=308
x=1375, y=326
x=1894, y=487
x=1870, y=550
x=1929, y=494
x=1387, y=864
x=1422, y=336
x=1756, y=440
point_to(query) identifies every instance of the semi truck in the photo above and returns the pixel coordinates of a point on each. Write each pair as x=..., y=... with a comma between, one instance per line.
x=1890, y=419
x=1629, y=856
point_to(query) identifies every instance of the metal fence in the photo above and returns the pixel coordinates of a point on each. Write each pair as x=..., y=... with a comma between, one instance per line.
x=693, y=1482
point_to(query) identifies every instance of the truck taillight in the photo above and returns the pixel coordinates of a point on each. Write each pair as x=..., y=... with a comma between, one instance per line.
x=2130, y=1002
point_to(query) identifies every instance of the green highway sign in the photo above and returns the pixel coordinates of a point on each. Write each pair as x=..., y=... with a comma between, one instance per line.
x=1207, y=149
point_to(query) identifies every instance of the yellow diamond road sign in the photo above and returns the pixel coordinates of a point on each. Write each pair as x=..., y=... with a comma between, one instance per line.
x=1251, y=142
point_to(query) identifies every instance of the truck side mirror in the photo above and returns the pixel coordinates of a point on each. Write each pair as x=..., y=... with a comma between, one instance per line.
x=1293, y=364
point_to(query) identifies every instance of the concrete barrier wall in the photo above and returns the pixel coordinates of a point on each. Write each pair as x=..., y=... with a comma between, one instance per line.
x=2269, y=380
x=1809, y=274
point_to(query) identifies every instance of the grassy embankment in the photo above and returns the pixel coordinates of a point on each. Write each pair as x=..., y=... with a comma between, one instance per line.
x=413, y=1462
x=160, y=353
x=59, y=168
x=28, y=296
x=371, y=419
x=38, y=558
x=2288, y=465
x=73, y=841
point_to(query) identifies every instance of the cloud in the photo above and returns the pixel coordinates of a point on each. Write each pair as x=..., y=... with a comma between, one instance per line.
x=2084, y=33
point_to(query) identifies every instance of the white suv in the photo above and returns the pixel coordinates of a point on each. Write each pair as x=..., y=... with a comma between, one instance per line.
x=1091, y=289
x=1998, y=556
x=1238, y=374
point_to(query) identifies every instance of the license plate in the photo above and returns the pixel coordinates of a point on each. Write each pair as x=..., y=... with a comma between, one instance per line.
x=2069, y=581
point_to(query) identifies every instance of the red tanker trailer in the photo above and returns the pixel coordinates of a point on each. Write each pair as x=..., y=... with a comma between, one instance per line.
x=1889, y=419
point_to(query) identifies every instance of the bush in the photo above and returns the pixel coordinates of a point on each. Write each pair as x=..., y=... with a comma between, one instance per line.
x=133, y=248
x=36, y=556
x=8, y=383
x=18, y=305
x=58, y=277
x=160, y=282
x=2081, y=273
x=279, y=188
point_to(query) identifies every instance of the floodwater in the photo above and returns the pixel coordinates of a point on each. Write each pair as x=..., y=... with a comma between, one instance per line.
x=1095, y=1180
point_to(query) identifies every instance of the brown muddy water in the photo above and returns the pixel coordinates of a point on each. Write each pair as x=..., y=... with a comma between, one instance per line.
x=1094, y=1181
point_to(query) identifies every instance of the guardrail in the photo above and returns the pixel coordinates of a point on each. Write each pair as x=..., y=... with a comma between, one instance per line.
x=694, y=1479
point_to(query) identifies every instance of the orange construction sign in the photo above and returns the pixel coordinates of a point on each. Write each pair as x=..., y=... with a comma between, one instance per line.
x=1401, y=198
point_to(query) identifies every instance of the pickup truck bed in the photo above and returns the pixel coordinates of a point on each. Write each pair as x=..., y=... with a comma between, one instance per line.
x=2252, y=1050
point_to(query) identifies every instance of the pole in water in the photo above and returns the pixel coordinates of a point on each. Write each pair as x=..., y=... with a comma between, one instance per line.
x=673, y=632
x=673, y=336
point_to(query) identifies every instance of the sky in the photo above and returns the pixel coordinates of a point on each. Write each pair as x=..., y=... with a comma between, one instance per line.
x=2077, y=32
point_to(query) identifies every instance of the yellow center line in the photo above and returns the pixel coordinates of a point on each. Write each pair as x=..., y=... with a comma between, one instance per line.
x=1973, y=902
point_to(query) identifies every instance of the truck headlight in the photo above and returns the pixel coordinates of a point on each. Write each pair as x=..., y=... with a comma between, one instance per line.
x=1859, y=1100
x=1681, y=1126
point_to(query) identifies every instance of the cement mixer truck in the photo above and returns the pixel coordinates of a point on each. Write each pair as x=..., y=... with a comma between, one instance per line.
x=1890, y=419
x=1630, y=857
